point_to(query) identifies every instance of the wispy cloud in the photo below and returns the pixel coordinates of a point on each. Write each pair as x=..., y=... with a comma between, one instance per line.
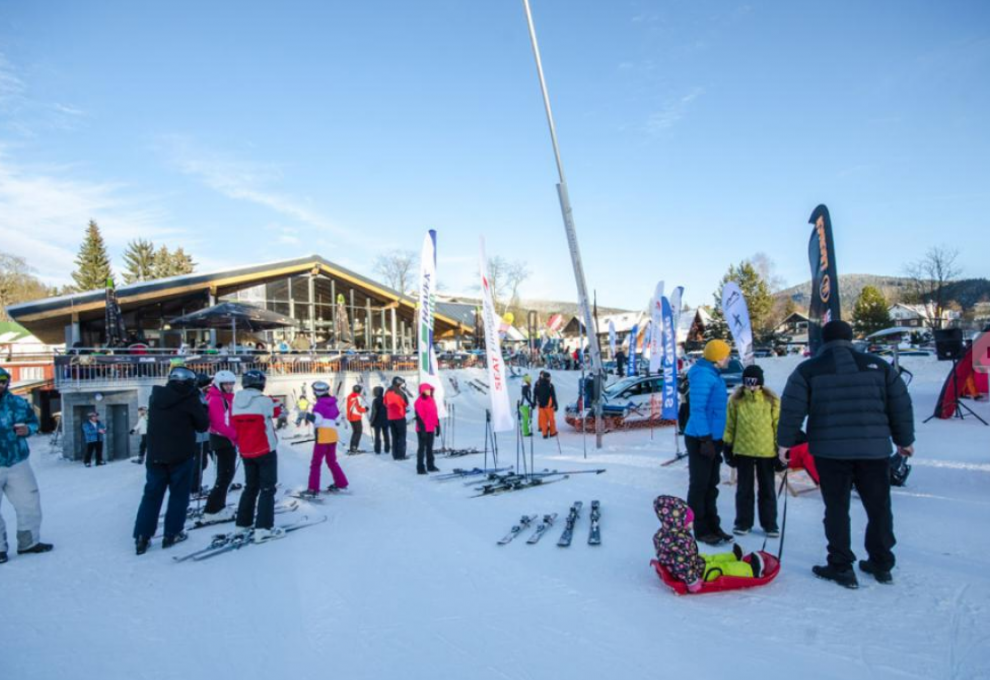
x=25, y=116
x=246, y=181
x=44, y=212
x=672, y=112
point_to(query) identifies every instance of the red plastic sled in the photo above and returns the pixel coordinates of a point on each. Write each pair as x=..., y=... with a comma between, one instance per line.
x=771, y=563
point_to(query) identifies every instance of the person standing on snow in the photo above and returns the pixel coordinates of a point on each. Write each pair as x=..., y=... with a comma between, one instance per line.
x=526, y=406
x=253, y=414
x=546, y=400
x=223, y=442
x=324, y=418
x=93, y=433
x=355, y=412
x=620, y=363
x=750, y=447
x=855, y=404
x=17, y=482
x=378, y=419
x=141, y=428
x=703, y=439
x=427, y=428
x=175, y=414
x=397, y=405
x=203, y=382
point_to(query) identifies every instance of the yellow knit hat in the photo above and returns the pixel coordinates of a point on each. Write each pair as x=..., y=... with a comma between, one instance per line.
x=716, y=350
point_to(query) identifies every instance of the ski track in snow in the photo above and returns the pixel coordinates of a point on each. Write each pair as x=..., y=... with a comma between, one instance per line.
x=406, y=580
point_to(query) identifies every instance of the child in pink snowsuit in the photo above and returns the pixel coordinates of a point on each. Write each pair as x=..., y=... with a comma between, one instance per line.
x=325, y=413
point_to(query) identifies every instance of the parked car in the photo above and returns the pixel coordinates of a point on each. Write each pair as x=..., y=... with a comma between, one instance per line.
x=626, y=403
x=762, y=352
x=732, y=374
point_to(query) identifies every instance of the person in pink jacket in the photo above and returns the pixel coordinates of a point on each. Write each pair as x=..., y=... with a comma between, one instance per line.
x=223, y=442
x=427, y=428
x=324, y=418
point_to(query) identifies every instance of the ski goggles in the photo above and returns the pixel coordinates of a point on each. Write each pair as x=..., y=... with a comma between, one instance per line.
x=4, y=379
x=751, y=382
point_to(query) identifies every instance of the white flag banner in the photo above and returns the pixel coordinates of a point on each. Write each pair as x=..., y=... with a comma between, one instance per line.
x=656, y=335
x=736, y=315
x=675, y=308
x=429, y=371
x=498, y=388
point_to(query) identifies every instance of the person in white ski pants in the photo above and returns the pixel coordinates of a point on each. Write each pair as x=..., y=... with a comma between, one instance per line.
x=17, y=483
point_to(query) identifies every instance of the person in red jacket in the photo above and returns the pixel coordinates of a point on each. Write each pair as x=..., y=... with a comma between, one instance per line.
x=252, y=414
x=427, y=428
x=396, y=404
x=355, y=412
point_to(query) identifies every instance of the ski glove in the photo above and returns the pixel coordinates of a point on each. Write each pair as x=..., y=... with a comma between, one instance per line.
x=728, y=456
x=707, y=448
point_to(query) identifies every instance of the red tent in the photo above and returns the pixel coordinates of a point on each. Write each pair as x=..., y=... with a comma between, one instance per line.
x=966, y=380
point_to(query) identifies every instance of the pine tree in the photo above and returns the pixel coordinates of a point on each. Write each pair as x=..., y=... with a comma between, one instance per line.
x=93, y=263
x=759, y=300
x=181, y=263
x=139, y=259
x=162, y=263
x=871, y=312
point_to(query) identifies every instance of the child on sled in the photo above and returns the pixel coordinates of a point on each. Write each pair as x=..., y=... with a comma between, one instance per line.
x=677, y=550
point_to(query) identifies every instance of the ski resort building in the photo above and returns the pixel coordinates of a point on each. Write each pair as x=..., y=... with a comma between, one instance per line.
x=340, y=324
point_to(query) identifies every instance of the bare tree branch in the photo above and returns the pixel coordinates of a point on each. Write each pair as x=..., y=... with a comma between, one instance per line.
x=928, y=277
x=396, y=267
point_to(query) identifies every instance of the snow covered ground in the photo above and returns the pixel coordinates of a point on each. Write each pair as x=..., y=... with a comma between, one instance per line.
x=406, y=580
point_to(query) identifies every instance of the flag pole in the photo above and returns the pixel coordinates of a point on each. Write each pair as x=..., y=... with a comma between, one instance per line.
x=565, y=208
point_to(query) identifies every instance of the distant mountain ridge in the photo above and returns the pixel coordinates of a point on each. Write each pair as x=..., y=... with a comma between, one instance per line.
x=967, y=292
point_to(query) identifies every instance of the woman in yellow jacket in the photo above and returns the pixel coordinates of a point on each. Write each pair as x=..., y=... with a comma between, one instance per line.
x=751, y=448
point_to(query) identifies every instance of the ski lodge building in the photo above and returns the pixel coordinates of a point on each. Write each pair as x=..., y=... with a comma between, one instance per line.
x=345, y=325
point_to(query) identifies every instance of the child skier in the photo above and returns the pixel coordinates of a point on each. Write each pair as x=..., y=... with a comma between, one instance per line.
x=324, y=418
x=526, y=406
x=379, y=420
x=355, y=412
x=427, y=427
x=253, y=415
x=751, y=447
x=677, y=551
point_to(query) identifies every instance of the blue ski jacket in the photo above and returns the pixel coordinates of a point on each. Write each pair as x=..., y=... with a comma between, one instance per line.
x=14, y=410
x=708, y=398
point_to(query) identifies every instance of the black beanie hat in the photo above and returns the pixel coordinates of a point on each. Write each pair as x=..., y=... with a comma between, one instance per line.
x=753, y=371
x=837, y=330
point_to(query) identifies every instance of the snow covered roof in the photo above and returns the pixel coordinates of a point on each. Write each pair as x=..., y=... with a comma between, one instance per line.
x=623, y=322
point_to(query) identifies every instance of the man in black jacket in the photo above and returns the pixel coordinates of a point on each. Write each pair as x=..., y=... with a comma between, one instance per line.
x=175, y=414
x=855, y=404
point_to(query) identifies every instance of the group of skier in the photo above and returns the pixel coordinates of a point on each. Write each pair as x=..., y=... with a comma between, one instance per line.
x=854, y=403
x=543, y=398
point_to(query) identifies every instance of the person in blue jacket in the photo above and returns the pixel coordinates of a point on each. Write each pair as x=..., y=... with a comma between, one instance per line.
x=17, y=482
x=93, y=433
x=703, y=438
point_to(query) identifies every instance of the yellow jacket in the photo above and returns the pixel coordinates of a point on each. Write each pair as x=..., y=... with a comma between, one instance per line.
x=751, y=423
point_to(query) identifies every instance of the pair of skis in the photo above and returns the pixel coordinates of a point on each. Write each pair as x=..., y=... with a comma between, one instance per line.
x=280, y=509
x=525, y=522
x=594, y=532
x=223, y=543
x=515, y=483
x=462, y=473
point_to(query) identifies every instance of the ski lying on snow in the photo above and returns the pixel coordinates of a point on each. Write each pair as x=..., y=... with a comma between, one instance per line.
x=459, y=473
x=222, y=543
x=543, y=528
x=524, y=523
x=572, y=517
x=679, y=456
x=594, y=533
x=515, y=485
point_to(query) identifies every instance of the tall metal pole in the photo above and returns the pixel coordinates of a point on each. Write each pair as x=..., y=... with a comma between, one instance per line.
x=572, y=242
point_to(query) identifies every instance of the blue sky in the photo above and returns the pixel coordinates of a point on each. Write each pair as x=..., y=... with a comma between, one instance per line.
x=693, y=134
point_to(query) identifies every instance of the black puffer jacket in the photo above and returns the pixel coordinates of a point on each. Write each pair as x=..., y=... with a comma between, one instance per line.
x=545, y=394
x=174, y=417
x=855, y=403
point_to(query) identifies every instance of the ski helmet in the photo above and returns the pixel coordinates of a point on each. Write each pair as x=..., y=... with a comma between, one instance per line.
x=378, y=391
x=203, y=380
x=254, y=379
x=398, y=381
x=321, y=389
x=182, y=376
x=356, y=389
x=224, y=377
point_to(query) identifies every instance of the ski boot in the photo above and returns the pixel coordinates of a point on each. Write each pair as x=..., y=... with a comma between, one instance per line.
x=3, y=557
x=881, y=575
x=265, y=535
x=845, y=578
x=141, y=545
x=169, y=541
x=36, y=548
